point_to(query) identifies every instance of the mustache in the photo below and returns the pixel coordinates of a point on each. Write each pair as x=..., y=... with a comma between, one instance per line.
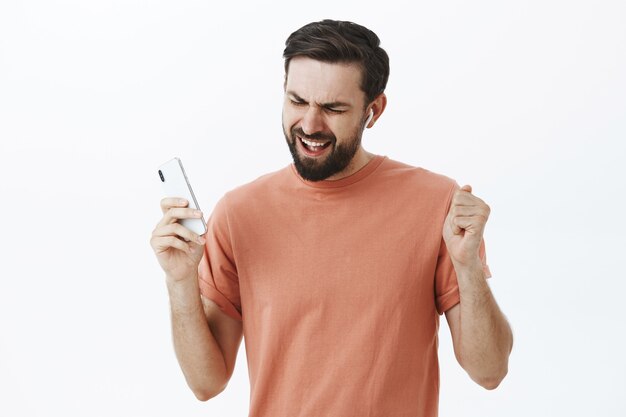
x=297, y=131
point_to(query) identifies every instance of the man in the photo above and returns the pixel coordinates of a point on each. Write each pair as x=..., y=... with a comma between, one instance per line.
x=335, y=268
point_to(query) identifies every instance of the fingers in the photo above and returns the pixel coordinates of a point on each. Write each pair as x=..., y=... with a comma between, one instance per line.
x=468, y=217
x=456, y=229
x=482, y=211
x=168, y=233
x=196, y=249
x=169, y=202
x=466, y=223
x=468, y=213
x=465, y=198
x=173, y=214
x=179, y=231
x=163, y=243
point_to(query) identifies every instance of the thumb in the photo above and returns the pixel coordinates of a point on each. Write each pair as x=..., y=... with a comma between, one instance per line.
x=197, y=250
x=467, y=188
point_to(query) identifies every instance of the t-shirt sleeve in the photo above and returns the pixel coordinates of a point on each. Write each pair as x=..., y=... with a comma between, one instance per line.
x=446, y=286
x=217, y=272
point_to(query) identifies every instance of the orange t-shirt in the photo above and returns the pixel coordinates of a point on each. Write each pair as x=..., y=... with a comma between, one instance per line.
x=339, y=285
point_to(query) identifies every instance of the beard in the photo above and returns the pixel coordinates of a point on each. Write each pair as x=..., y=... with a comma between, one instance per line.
x=338, y=158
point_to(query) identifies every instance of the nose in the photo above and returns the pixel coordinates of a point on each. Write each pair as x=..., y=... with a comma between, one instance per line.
x=312, y=121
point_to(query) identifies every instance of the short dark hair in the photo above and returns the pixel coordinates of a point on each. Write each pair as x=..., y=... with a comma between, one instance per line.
x=336, y=41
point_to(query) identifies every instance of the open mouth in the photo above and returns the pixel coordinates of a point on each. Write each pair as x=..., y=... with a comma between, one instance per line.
x=313, y=147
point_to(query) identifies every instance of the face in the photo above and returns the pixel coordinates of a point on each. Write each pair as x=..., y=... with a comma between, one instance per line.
x=323, y=117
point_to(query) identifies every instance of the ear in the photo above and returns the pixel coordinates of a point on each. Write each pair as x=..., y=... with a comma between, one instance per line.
x=377, y=107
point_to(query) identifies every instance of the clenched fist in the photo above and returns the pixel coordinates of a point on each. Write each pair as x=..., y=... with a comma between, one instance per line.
x=464, y=226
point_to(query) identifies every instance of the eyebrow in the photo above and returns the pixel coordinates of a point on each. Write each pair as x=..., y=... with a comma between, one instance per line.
x=333, y=104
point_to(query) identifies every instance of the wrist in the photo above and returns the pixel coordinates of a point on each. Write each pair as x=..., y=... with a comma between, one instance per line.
x=177, y=285
x=471, y=280
x=471, y=267
x=182, y=278
x=184, y=294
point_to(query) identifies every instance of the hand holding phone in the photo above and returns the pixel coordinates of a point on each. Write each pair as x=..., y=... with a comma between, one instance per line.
x=176, y=184
x=177, y=239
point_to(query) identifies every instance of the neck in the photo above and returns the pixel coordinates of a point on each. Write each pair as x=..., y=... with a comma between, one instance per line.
x=360, y=159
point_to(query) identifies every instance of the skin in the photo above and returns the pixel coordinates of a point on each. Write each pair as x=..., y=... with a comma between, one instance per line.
x=481, y=335
x=323, y=98
x=206, y=340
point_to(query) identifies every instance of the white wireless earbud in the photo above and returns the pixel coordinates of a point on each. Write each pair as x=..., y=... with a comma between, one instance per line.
x=369, y=118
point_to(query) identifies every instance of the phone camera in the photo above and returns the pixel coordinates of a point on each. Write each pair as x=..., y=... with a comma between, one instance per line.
x=161, y=175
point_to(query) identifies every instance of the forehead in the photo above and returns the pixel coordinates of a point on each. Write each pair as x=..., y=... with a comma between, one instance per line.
x=324, y=82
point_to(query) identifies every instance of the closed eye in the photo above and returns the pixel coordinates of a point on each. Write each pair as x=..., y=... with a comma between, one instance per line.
x=332, y=110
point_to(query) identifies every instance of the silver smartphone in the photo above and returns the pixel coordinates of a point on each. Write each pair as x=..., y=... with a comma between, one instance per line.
x=176, y=184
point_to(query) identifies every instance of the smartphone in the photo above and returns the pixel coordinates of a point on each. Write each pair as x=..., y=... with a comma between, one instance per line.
x=176, y=184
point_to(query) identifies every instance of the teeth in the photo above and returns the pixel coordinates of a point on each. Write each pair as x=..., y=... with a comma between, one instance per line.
x=313, y=144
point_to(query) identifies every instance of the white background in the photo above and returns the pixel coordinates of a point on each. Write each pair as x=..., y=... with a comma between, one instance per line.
x=525, y=101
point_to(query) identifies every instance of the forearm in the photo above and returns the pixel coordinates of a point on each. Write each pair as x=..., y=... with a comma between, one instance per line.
x=485, y=335
x=197, y=351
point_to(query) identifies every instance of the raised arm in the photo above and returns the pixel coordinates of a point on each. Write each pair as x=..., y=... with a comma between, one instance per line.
x=481, y=335
x=206, y=340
